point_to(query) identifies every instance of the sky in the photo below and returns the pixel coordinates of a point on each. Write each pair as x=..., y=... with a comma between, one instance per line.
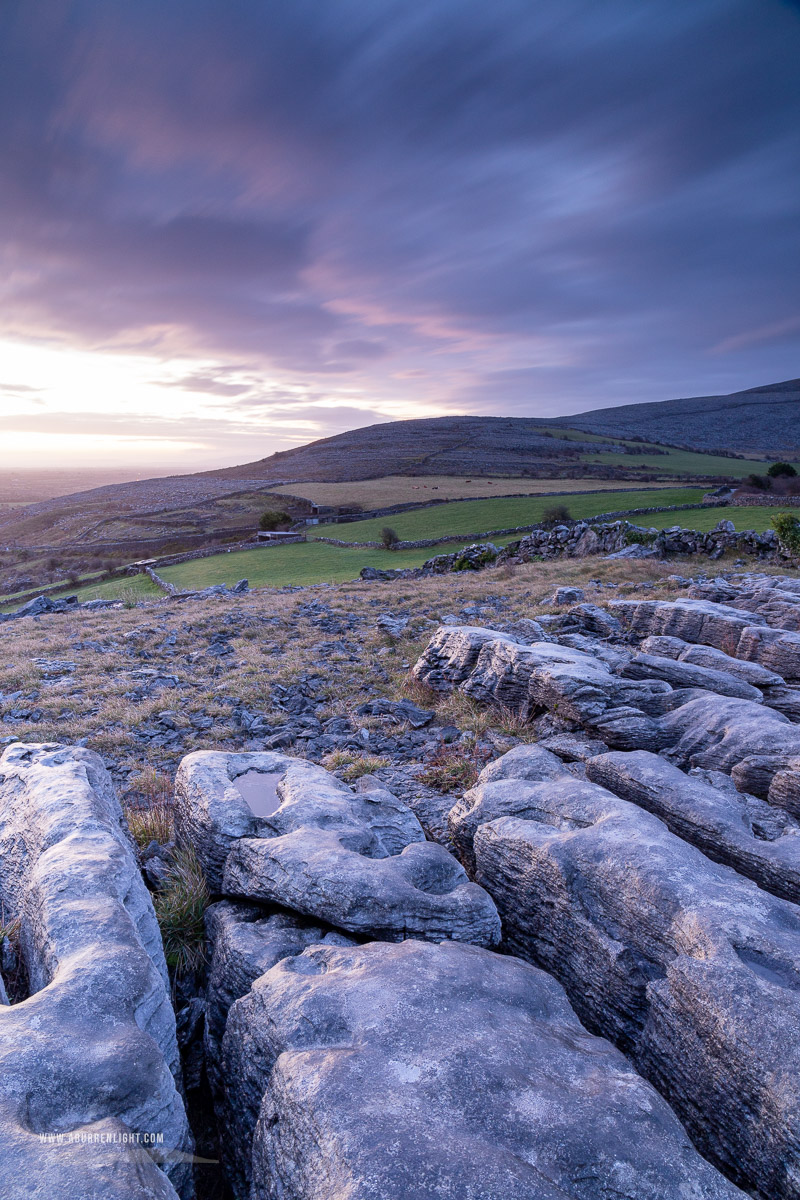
x=228, y=227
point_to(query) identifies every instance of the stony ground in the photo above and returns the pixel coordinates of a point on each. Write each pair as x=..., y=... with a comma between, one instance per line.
x=285, y=669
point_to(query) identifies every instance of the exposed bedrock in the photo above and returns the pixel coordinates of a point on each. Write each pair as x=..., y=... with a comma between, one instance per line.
x=576, y=685
x=760, y=841
x=355, y=859
x=718, y=625
x=772, y=687
x=331, y=874
x=386, y=1072
x=682, y=674
x=244, y=941
x=711, y=658
x=92, y=1050
x=692, y=970
x=750, y=742
x=737, y=632
x=500, y=792
x=774, y=649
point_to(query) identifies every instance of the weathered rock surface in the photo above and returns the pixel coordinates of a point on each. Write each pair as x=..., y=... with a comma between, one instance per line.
x=718, y=625
x=523, y=762
x=758, y=840
x=331, y=874
x=243, y=942
x=355, y=859
x=714, y=660
x=545, y=676
x=499, y=794
x=774, y=649
x=692, y=970
x=391, y=1072
x=683, y=674
x=211, y=812
x=749, y=741
x=92, y=1051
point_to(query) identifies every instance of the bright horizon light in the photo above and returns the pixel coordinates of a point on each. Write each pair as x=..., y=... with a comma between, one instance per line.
x=63, y=406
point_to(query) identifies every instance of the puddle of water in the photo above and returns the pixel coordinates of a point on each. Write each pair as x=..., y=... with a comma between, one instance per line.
x=260, y=790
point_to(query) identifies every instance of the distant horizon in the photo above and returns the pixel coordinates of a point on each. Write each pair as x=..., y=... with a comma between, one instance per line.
x=228, y=230
x=137, y=470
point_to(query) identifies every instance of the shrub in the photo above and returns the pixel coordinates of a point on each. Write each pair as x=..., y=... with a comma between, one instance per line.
x=761, y=482
x=780, y=468
x=389, y=537
x=273, y=518
x=556, y=514
x=787, y=527
x=180, y=908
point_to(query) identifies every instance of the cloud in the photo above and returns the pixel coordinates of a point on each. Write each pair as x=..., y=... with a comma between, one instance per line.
x=509, y=207
x=198, y=382
x=19, y=389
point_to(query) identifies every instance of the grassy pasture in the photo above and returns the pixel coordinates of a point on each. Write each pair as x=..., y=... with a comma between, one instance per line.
x=405, y=489
x=318, y=562
x=684, y=462
x=479, y=515
x=703, y=519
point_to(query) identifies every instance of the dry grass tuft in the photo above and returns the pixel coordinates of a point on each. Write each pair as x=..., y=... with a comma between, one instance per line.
x=151, y=818
x=180, y=908
x=452, y=769
x=351, y=764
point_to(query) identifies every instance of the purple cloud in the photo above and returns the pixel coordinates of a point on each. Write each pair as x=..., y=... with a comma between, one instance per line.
x=532, y=208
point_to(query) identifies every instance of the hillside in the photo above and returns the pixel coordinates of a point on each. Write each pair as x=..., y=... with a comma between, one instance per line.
x=763, y=422
x=436, y=446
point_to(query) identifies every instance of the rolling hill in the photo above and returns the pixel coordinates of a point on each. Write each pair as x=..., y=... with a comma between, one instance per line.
x=762, y=422
x=436, y=446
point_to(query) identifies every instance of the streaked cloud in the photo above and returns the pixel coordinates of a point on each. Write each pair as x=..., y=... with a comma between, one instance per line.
x=333, y=208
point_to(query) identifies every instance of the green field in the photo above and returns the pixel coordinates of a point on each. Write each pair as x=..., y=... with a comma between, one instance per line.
x=703, y=519
x=302, y=562
x=478, y=516
x=684, y=462
x=673, y=462
x=317, y=562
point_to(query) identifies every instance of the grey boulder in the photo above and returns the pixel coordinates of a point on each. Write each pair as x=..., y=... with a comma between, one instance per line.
x=244, y=941
x=355, y=859
x=89, y=1062
x=693, y=971
x=758, y=840
x=397, y=1072
x=718, y=625
x=334, y=875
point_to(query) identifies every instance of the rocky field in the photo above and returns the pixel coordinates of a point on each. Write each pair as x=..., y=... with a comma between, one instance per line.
x=481, y=886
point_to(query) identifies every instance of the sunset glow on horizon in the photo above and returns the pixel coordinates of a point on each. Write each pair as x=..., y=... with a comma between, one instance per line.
x=226, y=230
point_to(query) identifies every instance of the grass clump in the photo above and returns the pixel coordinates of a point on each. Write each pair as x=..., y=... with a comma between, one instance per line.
x=351, y=764
x=451, y=769
x=150, y=815
x=180, y=909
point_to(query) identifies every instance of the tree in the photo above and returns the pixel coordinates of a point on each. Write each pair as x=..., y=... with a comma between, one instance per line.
x=273, y=518
x=556, y=514
x=389, y=537
x=780, y=468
